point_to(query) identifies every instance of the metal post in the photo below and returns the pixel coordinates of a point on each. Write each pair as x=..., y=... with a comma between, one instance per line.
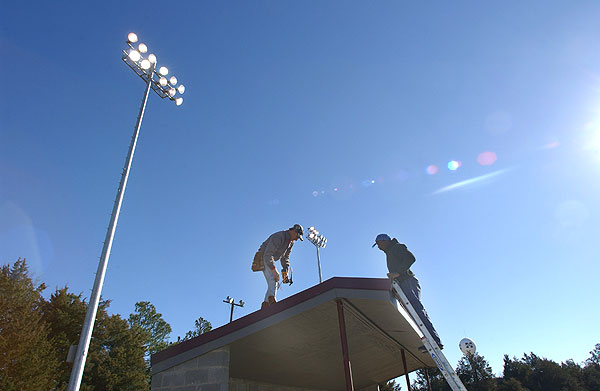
x=405, y=369
x=319, y=263
x=231, y=314
x=344, y=340
x=90, y=316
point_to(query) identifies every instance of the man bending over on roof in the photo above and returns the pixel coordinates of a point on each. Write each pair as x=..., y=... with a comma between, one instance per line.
x=399, y=260
x=277, y=246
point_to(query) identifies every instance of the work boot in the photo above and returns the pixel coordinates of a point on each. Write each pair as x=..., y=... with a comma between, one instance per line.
x=264, y=305
x=272, y=300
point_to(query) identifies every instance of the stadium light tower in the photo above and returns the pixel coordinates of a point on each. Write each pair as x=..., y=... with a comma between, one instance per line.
x=145, y=68
x=320, y=242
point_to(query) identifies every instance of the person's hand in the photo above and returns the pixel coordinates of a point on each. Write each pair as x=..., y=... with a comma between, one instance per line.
x=391, y=276
x=275, y=274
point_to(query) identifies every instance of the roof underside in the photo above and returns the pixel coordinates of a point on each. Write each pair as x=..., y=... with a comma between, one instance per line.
x=297, y=341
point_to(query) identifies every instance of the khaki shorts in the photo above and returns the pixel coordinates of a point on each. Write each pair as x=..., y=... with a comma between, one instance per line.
x=257, y=263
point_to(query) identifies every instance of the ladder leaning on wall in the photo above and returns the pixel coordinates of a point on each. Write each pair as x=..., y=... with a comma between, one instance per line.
x=432, y=348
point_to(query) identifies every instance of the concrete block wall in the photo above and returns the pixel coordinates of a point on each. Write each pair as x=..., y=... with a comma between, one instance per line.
x=249, y=385
x=208, y=372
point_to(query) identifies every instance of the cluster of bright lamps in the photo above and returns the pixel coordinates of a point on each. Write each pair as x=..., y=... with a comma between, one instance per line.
x=316, y=239
x=167, y=86
x=230, y=300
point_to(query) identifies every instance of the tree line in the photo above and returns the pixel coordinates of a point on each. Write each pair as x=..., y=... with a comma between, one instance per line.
x=530, y=373
x=36, y=333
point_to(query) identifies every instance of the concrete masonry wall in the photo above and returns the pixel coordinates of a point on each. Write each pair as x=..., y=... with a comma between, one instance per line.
x=248, y=385
x=208, y=372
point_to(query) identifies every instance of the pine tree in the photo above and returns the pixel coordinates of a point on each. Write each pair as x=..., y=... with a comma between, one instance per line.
x=475, y=373
x=27, y=359
x=591, y=370
x=436, y=380
x=154, y=328
x=64, y=313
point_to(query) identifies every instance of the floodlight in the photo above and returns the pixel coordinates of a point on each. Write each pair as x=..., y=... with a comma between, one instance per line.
x=134, y=55
x=181, y=88
x=145, y=64
x=179, y=101
x=173, y=80
x=132, y=37
x=152, y=58
x=162, y=81
x=172, y=92
x=163, y=71
x=319, y=241
x=142, y=48
x=467, y=346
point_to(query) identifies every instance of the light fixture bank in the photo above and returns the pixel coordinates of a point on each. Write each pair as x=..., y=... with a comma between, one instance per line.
x=145, y=67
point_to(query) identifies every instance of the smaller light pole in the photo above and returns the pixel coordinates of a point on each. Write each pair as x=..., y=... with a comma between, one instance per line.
x=320, y=242
x=231, y=301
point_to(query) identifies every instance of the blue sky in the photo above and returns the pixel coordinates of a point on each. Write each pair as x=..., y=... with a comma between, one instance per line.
x=341, y=115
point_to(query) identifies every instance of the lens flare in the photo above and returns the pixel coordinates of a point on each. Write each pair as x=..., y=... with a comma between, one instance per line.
x=453, y=165
x=487, y=158
x=431, y=169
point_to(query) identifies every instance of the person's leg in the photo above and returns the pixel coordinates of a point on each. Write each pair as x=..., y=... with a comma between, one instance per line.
x=412, y=290
x=271, y=286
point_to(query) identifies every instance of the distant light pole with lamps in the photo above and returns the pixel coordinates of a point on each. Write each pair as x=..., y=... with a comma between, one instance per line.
x=320, y=242
x=145, y=68
x=231, y=301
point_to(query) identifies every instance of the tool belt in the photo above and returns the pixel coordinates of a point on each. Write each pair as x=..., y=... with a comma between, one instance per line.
x=257, y=263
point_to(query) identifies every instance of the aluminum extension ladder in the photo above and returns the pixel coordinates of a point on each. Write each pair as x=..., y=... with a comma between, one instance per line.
x=432, y=348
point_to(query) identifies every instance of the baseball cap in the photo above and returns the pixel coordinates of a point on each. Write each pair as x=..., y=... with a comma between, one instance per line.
x=381, y=237
x=299, y=230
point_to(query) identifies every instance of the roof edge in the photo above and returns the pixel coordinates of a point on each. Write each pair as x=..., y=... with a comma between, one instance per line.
x=381, y=284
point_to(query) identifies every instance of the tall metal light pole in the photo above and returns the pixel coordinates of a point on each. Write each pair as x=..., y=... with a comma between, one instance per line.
x=230, y=300
x=320, y=242
x=145, y=69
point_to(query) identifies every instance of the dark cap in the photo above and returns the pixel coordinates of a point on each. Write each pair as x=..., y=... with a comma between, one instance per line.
x=299, y=230
x=381, y=237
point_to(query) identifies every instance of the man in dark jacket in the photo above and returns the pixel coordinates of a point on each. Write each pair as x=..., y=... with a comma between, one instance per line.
x=277, y=246
x=399, y=260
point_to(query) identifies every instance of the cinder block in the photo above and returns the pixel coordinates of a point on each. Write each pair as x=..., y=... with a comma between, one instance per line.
x=219, y=357
x=156, y=382
x=189, y=364
x=172, y=379
x=197, y=377
x=218, y=374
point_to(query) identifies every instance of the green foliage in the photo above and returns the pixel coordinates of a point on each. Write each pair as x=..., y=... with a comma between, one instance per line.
x=27, y=358
x=476, y=374
x=116, y=355
x=35, y=335
x=436, y=380
x=201, y=326
x=154, y=328
x=510, y=384
x=595, y=358
x=535, y=373
x=390, y=386
x=591, y=370
x=64, y=314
